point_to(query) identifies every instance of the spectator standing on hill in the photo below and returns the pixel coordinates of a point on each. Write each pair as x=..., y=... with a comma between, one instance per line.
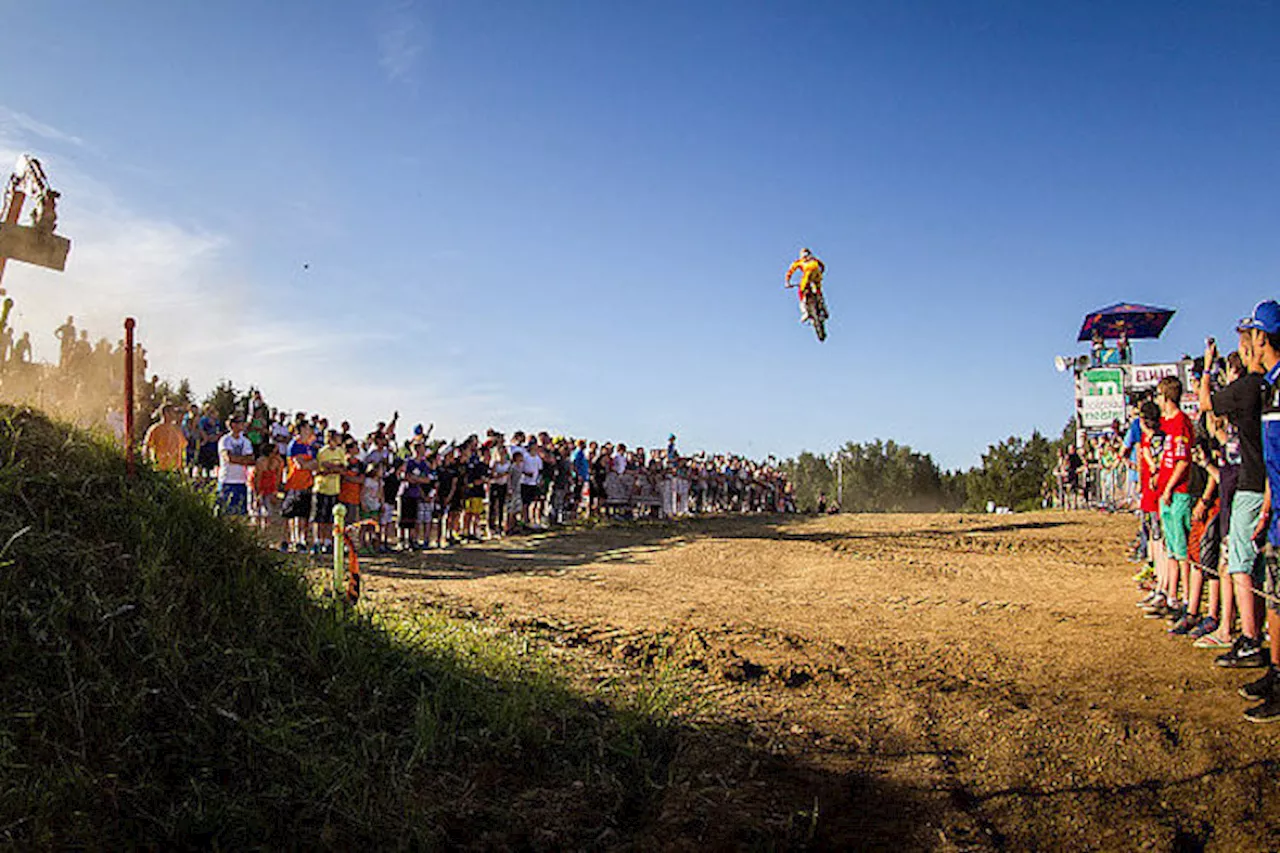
x=300, y=459
x=415, y=478
x=258, y=420
x=22, y=350
x=476, y=473
x=208, y=431
x=352, y=481
x=515, y=502
x=499, y=473
x=164, y=443
x=265, y=479
x=1241, y=403
x=279, y=433
x=331, y=463
x=530, y=492
x=66, y=335
x=581, y=468
x=235, y=455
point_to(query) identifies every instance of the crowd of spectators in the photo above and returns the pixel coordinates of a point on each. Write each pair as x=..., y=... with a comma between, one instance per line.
x=1208, y=535
x=288, y=474
x=1098, y=471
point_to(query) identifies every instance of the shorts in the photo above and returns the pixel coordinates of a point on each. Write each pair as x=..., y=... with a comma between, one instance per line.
x=1271, y=577
x=296, y=505
x=475, y=506
x=425, y=510
x=1175, y=520
x=1242, y=551
x=353, y=514
x=207, y=458
x=388, y=514
x=233, y=498
x=264, y=506
x=1211, y=544
x=1226, y=494
x=1154, y=533
x=408, y=512
x=367, y=514
x=322, y=508
x=528, y=494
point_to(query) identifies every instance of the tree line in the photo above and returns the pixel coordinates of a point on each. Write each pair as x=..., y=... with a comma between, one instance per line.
x=884, y=476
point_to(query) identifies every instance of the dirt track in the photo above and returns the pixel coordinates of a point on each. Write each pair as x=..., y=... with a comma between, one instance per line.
x=940, y=681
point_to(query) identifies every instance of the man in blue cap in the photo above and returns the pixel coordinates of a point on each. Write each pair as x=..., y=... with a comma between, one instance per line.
x=1260, y=338
x=1241, y=404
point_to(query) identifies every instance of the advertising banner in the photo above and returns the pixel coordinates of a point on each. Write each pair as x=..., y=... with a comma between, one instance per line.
x=1101, y=397
x=1142, y=377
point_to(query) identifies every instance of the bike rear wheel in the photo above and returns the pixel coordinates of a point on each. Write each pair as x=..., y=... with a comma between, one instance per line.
x=817, y=309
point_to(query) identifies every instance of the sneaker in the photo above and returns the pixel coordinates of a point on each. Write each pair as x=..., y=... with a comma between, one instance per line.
x=1267, y=712
x=1257, y=691
x=1146, y=573
x=1176, y=612
x=1183, y=626
x=1211, y=641
x=1207, y=626
x=1151, y=598
x=1244, y=654
x=1159, y=610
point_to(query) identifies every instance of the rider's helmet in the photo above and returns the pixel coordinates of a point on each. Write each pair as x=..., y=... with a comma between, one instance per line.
x=805, y=253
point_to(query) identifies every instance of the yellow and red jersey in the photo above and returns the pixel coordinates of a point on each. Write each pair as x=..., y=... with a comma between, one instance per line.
x=811, y=270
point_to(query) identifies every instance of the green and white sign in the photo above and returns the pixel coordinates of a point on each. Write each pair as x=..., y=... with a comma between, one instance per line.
x=1100, y=397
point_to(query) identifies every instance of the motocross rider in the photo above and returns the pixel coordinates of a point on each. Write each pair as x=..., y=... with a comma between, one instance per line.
x=811, y=270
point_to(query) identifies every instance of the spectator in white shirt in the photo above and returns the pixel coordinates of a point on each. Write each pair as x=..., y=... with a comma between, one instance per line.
x=235, y=456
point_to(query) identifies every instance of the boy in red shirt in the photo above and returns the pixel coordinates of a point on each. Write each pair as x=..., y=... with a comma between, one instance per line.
x=1174, y=499
x=1149, y=447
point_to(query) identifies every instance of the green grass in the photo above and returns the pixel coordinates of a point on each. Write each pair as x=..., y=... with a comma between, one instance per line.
x=167, y=683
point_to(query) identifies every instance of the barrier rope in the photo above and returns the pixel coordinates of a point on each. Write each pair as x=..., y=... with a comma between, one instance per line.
x=1217, y=575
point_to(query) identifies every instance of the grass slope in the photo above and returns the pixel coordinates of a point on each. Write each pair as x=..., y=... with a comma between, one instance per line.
x=166, y=683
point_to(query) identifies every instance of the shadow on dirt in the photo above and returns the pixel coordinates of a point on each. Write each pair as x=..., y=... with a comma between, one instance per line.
x=725, y=794
x=772, y=529
x=556, y=552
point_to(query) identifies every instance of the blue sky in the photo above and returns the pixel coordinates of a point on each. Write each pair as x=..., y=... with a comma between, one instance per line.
x=577, y=214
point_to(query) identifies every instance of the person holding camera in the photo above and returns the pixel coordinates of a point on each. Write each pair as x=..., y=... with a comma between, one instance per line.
x=1241, y=404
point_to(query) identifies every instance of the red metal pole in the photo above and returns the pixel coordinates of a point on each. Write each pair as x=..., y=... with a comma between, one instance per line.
x=128, y=396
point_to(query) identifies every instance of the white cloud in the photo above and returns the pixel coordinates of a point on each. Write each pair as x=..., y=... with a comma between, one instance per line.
x=198, y=316
x=17, y=123
x=400, y=41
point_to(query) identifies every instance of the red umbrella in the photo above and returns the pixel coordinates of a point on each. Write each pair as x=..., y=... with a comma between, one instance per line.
x=1133, y=321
